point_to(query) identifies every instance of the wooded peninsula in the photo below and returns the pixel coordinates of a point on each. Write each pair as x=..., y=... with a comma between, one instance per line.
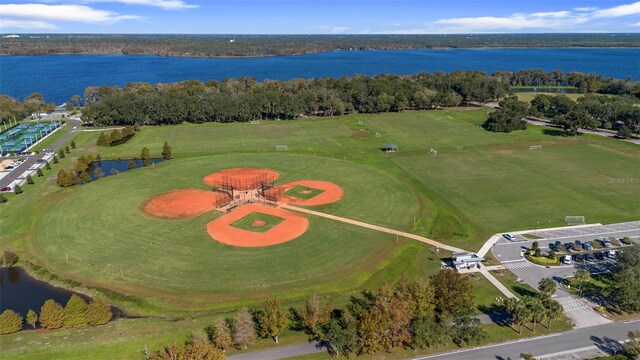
x=274, y=45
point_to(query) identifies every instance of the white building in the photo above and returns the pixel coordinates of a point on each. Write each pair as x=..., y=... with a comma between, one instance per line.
x=466, y=260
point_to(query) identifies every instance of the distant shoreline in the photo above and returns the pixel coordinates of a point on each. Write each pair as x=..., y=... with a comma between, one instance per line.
x=248, y=46
x=320, y=52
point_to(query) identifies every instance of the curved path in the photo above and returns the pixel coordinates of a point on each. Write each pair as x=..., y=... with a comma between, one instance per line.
x=376, y=227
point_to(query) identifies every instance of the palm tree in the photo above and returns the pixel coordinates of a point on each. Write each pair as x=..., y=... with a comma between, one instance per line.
x=582, y=275
x=547, y=286
x=537, y=311
x=554, y=311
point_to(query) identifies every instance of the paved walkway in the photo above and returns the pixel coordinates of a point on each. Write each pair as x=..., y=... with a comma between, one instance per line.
x=503, y=289
x=601, y=132
x=376, y=227
x=484, y=271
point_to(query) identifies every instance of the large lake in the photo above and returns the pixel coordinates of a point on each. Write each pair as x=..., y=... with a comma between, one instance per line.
x=61, y=76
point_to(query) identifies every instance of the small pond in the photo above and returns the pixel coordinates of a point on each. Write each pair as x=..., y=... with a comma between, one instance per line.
x=120, y=166
x=20, y=292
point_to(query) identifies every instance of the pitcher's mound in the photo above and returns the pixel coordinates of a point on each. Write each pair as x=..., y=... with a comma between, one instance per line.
x=183, y=203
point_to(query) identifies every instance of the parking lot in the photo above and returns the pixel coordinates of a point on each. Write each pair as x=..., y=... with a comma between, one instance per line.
x=509, y=253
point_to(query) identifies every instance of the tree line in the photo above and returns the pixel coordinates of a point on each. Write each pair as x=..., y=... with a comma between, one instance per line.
x=76, y=314
x=269, y=45
x=619, y=113
x=419, y=314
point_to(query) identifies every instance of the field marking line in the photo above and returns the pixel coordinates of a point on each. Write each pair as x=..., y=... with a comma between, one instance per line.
x=376, y=227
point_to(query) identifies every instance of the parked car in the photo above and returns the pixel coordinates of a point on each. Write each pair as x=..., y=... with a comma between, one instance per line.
x=611, y=254
x=9, y=167
x=5, y=189
x=607, y=244
x=578, y=244
x=590, y=257
x=41, y=161
x=566, y=260
x=569, y=246
x=587, y=246
x=508, y=236
x=599, y=255
x=579, y=258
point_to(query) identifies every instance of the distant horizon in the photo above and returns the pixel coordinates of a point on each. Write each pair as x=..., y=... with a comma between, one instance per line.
x=289, y=17
x=325, y=34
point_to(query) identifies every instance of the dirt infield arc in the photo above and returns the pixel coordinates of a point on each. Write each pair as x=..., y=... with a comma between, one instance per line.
x=239, y=174
x=182, y=203
x=293, y=226
x=330, y=193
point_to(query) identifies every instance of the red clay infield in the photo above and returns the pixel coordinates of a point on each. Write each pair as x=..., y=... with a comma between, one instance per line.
x=239, y=174
x=181, y=203
x=293, y=226
x=331, y=193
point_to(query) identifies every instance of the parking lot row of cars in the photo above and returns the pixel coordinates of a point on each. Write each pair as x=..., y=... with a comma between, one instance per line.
x=578, y=245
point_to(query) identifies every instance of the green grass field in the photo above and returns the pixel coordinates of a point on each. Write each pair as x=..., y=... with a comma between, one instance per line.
x=303, y=192
x=249, y=222
x=480, y=183
x=528, y=96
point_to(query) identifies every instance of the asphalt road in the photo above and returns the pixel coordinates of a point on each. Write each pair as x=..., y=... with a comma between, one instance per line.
x=603, y=336
x=31, y=160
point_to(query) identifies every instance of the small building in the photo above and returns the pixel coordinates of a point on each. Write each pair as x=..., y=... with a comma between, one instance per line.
x=466, y=260
x=390, y=148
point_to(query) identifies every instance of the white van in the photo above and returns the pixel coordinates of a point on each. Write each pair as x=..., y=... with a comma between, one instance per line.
x=566, y=260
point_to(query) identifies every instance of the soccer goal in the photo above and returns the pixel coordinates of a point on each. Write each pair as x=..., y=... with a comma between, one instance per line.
x=255, y=122
x=282, y=148
x=377, y=134
x=535, y=147
x=433, y=152
x=359, y=122
x=574, y=220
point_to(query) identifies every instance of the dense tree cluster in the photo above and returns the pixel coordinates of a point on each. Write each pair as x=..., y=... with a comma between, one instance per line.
x=619, y=113
x=14, y=110
x=76, y=314
x=245, y=99
x=417, y=314
x=117, y=136
x=410, y=315
x=509, y=117
x=262, y=45
x=625, y=280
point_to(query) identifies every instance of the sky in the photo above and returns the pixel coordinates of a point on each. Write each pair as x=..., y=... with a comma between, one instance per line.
x=318, y=16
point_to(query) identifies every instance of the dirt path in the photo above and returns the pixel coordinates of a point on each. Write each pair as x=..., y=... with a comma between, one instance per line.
x=375, y=227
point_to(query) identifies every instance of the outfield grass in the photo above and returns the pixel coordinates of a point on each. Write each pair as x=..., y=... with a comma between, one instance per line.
x=247, y=222
x=303, y=192
x=100, y=228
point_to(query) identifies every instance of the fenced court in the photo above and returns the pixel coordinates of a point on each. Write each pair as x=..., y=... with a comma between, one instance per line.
x=535, y=147
x=282, y=148
x=574, y=220
x=19, y=138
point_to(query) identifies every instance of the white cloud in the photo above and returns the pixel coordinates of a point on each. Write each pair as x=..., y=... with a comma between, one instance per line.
x=618, y=11
x=164, y=4
x=63, y=13
x=559, y=21
x=556, y=14
x=636, y=24
x=25, y=24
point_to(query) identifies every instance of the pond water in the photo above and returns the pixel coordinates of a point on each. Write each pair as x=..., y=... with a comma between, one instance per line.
x=21, y=292
x=120, y=166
